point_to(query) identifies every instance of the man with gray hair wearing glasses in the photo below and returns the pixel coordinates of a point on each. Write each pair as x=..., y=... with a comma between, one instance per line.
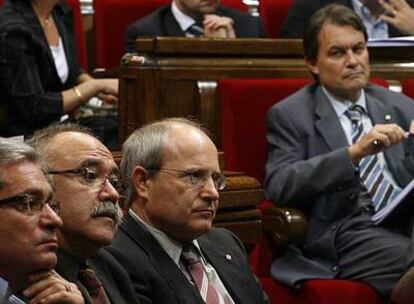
x=28, y=231
x=166, y=242
x=87, y=186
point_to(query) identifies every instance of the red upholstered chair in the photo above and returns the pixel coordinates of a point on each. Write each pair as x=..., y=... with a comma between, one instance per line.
x=74, y=5
x=408, y=87
x=112, y=18
x=273, y=13
x=79, y=33
x=244, y=104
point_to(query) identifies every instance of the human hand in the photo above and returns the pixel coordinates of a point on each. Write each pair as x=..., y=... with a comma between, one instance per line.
x=218, y=26
x=49, y=287
x=399, y=14
x=109, y=91
x=384, y=137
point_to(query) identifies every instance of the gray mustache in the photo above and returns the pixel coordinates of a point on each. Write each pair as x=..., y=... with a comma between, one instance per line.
x=110, y=209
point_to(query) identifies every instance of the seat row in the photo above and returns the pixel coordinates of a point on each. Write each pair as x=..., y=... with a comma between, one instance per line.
x=112, y=17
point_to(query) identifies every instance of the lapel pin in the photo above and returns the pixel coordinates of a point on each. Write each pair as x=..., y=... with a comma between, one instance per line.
x=228, y=257
x=387, y=117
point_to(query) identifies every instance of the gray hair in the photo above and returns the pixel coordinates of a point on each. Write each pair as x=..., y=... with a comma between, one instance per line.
x=12, y=152
x=42, y=138
x=145, y=148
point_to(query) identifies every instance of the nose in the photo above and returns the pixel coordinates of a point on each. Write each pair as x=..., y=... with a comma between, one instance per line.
x=351, y=58
x=50, y=218
x=210, y=191
x=109, y=192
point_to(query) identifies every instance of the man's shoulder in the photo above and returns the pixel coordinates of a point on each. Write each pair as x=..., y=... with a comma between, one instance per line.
x=150, y=25
x=220, y=237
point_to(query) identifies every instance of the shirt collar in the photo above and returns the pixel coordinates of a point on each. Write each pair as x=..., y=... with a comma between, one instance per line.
x=170, y=246
x=341, y=105
x=183, y=20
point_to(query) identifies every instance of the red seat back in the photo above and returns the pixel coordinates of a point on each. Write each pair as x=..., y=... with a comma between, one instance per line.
x=244, y=104
x=408, y=87
x=112, y=18
x=79, y=33
x=273, y=13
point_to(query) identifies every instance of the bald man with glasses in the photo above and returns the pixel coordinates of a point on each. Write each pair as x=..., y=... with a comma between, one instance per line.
x=88, y=188
x=167, y=242
x=28, y=231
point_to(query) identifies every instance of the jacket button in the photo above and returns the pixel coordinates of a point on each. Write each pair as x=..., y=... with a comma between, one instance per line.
x=335, y=268
x=333, y=227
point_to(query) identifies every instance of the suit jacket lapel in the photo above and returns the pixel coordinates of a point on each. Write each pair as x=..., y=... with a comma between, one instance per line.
x=327, y=122
x=170, y=25
x=162, y=262
x=229, y=271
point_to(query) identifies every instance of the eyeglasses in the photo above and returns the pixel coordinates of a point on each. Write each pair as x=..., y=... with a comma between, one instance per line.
x=198, y=177
x=29, y=204
x=91, y=178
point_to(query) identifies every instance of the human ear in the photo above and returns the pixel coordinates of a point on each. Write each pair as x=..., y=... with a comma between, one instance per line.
x=139, y=179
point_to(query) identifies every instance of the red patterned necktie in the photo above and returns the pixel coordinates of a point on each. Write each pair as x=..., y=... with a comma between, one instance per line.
x=191, y=259
x=89, y=279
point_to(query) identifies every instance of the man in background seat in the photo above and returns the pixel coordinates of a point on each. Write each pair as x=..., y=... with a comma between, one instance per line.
x=381, y=18
x=339, y=151
x=193, y=18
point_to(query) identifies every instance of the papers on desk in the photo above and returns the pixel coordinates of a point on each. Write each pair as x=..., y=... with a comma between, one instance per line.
x=392, y=42
x=400, y=205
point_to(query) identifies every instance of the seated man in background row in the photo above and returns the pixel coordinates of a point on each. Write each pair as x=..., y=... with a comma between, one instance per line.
x=193, y=18
x=28, y=227
x=86, y=185
x=338, y=151
x=381, y=18
x=166, y=242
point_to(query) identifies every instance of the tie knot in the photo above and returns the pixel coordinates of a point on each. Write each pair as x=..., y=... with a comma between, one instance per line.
x=354, y=113
x=196, y=30
x=190, y=255
x=88, y=277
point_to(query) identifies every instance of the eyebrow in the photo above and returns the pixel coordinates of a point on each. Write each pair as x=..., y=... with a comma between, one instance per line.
x=97, y=163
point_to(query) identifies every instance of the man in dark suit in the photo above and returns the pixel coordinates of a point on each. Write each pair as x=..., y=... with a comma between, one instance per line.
x=195, y=18
x=166, y=241
x=382, y=19
x=86, y=185
x=340, y=169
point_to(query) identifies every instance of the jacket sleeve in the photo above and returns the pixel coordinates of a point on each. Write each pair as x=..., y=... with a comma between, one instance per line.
x=294, y=177
x=21, y=80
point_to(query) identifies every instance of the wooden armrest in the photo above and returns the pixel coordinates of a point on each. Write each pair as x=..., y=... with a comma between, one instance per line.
x=106, y=73
x=284, y=225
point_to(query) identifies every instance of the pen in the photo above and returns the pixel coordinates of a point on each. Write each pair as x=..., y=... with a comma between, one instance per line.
x=407, y=134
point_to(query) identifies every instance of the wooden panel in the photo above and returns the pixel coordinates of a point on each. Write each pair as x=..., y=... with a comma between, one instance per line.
x=162, y=79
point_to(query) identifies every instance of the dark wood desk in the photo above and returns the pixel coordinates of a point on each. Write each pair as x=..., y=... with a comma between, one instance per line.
x=178, y=76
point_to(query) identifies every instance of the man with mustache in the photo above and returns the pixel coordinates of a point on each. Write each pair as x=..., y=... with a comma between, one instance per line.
x=167, y=242
x=193, y=18
x=86, y=184
x=28, y=226
x=339, y=151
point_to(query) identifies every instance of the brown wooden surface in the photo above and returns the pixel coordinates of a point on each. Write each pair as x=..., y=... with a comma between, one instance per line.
x=177, y=76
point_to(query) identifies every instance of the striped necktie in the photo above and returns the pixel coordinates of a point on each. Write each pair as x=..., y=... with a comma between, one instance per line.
x=196, y=30
x=192, y=260
x=90, y=280
x=375, y=181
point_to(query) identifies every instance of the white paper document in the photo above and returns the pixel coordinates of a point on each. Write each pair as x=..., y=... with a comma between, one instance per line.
x=392, y=42
x=398, y=202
